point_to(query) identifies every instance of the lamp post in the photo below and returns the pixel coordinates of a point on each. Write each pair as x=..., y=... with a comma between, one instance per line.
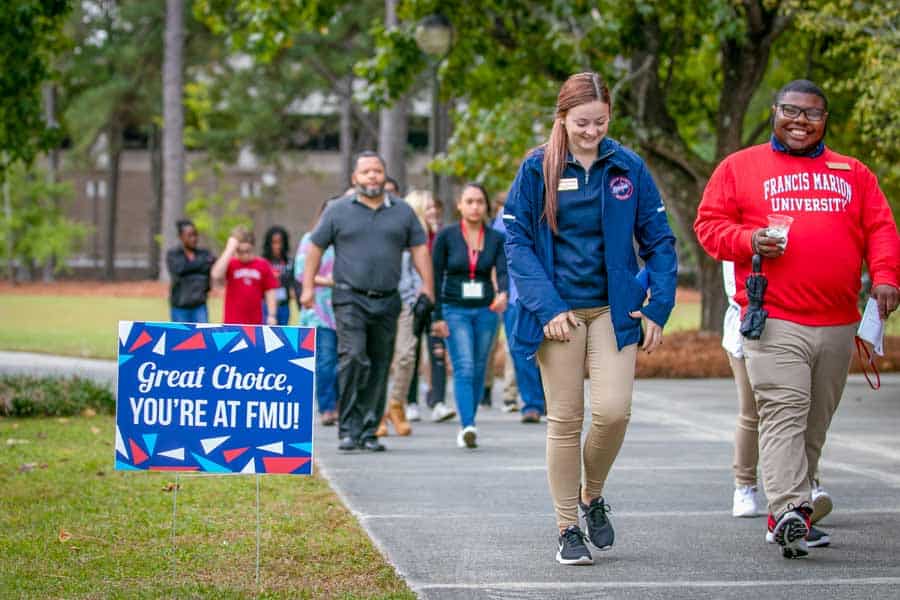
x=434, y=37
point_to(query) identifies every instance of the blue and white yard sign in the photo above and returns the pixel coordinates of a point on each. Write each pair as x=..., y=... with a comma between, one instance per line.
x=215, y=398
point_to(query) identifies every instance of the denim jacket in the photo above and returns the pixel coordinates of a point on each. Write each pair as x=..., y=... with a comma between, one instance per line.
x=631, y=210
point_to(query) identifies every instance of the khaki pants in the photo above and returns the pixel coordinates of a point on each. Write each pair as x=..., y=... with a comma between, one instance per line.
x=404, y=355
x=563, y=364
x=746, y=437
x=510, y=386
x=798, y=375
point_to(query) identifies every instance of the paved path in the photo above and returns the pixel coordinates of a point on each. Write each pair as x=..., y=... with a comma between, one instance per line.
x=479, y=524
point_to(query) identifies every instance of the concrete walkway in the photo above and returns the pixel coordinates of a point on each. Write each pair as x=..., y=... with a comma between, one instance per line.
x=479, y=524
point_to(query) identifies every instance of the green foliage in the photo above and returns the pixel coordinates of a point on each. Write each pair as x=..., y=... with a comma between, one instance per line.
x=38, y=227
x=216, y=213
x=854, y=57
x=489, y=143
x=277, y=55
x=28, y=396
x=29, y=38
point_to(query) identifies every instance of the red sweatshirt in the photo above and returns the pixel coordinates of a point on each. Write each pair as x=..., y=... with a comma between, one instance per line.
x=841, y=218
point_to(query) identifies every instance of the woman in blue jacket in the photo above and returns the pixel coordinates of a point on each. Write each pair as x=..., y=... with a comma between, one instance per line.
x=575, y=208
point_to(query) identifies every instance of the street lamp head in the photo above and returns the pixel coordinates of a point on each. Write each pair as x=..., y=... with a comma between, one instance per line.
x=434, y=35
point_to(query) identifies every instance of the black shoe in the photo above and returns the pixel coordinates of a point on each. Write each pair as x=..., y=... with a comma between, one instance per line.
x=486, y=398
x=599, y=529
x=373, y=445
x=816, y=538
x=347, y=444
x=572, y=550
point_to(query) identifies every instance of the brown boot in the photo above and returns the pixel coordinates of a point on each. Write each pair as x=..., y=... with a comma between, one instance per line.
x=397, y=416
x=382, y=430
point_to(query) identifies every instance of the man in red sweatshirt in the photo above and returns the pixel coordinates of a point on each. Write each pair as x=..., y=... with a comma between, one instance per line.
x=798, y=367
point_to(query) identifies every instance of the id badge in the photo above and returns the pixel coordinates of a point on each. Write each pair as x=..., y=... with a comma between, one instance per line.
x=473, y=290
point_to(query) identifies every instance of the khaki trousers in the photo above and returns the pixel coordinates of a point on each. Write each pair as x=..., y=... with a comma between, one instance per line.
x=798, y=375
x=563, y=365
x=404, y=355
x=746, y=437
x=510, y=385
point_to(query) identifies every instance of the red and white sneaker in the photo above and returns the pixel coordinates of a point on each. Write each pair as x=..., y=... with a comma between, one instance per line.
x=790, y=530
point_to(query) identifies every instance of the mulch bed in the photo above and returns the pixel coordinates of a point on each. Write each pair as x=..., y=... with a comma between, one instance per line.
x=688, y=354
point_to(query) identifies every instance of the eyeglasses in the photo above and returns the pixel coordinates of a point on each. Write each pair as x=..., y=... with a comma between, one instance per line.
x=792, y=112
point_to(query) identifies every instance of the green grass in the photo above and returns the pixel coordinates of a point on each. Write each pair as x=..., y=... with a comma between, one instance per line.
x=57, y=476
x=83, y=326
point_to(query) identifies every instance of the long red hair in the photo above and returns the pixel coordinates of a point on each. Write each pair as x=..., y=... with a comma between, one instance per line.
x=578, y=89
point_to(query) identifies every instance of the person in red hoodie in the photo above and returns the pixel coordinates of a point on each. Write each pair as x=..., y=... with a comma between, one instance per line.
x=798, y=367
x=249, y=280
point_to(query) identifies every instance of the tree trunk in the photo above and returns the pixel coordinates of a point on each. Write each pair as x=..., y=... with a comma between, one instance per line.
x=173, y=128
x=112, y=201
x=49, y=91
x=680, y=173
x=156, y=257
x=392, y=134
x=346, y=136
x=393, y=127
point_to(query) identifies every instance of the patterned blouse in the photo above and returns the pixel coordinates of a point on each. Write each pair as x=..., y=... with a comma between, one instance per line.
x=321, y=315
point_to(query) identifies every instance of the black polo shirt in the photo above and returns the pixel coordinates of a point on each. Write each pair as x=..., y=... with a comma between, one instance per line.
x=368, y=244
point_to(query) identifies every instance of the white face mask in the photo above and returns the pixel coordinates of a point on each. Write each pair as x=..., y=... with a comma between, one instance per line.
x=371, y=191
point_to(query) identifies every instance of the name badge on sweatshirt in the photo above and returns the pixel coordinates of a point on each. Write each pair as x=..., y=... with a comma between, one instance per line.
x=473, y=290
x=570, y=183
x=838, y=166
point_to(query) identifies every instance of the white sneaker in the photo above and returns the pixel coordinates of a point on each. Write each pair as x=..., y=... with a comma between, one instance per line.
x=744, y=504
x=441, y=412
x=466, y=438
x=821, y=501
x=412, y=412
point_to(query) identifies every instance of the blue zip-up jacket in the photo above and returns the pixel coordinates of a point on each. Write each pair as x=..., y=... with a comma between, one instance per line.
x=631, y=210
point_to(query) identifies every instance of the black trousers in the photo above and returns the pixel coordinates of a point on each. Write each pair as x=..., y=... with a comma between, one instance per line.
x=366, y=329
x=437, y=351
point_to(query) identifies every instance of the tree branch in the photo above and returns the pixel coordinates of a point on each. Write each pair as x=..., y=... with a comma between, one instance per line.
x=358, y=112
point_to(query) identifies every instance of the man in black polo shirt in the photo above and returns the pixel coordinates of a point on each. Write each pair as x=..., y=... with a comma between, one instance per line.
x=369, y=230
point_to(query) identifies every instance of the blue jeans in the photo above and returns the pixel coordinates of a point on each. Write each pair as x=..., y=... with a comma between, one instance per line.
x=198, y=314
x=282, y=313
x=326, y=368
x=528, y=376
x=472, y=332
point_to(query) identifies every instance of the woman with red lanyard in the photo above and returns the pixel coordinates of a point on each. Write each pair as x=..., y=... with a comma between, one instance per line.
x=467, y=306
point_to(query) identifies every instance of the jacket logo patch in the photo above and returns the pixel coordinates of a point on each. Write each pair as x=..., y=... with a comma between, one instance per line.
x=621, y=188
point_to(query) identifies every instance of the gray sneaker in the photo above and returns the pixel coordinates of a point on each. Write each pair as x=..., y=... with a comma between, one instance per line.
x=572, y=549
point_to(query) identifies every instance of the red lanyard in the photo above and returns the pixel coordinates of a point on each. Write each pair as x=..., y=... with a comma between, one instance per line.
x=473, y=254
x=867, y=360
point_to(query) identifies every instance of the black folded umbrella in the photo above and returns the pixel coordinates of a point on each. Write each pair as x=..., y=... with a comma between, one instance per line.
x=422, y=314
x=754, y=321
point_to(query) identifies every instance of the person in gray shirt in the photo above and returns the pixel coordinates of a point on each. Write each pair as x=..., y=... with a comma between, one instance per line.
x=369, y=230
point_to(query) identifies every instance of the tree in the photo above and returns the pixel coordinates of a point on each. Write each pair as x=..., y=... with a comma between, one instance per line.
x=29, y=37
x=691, y=81
x=173, y=127
x=110, y=85
x=37, y=229
x=278, y=55
x=392, y=131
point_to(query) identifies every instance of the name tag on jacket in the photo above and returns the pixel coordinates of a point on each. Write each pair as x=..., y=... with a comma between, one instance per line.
x=570, y=183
